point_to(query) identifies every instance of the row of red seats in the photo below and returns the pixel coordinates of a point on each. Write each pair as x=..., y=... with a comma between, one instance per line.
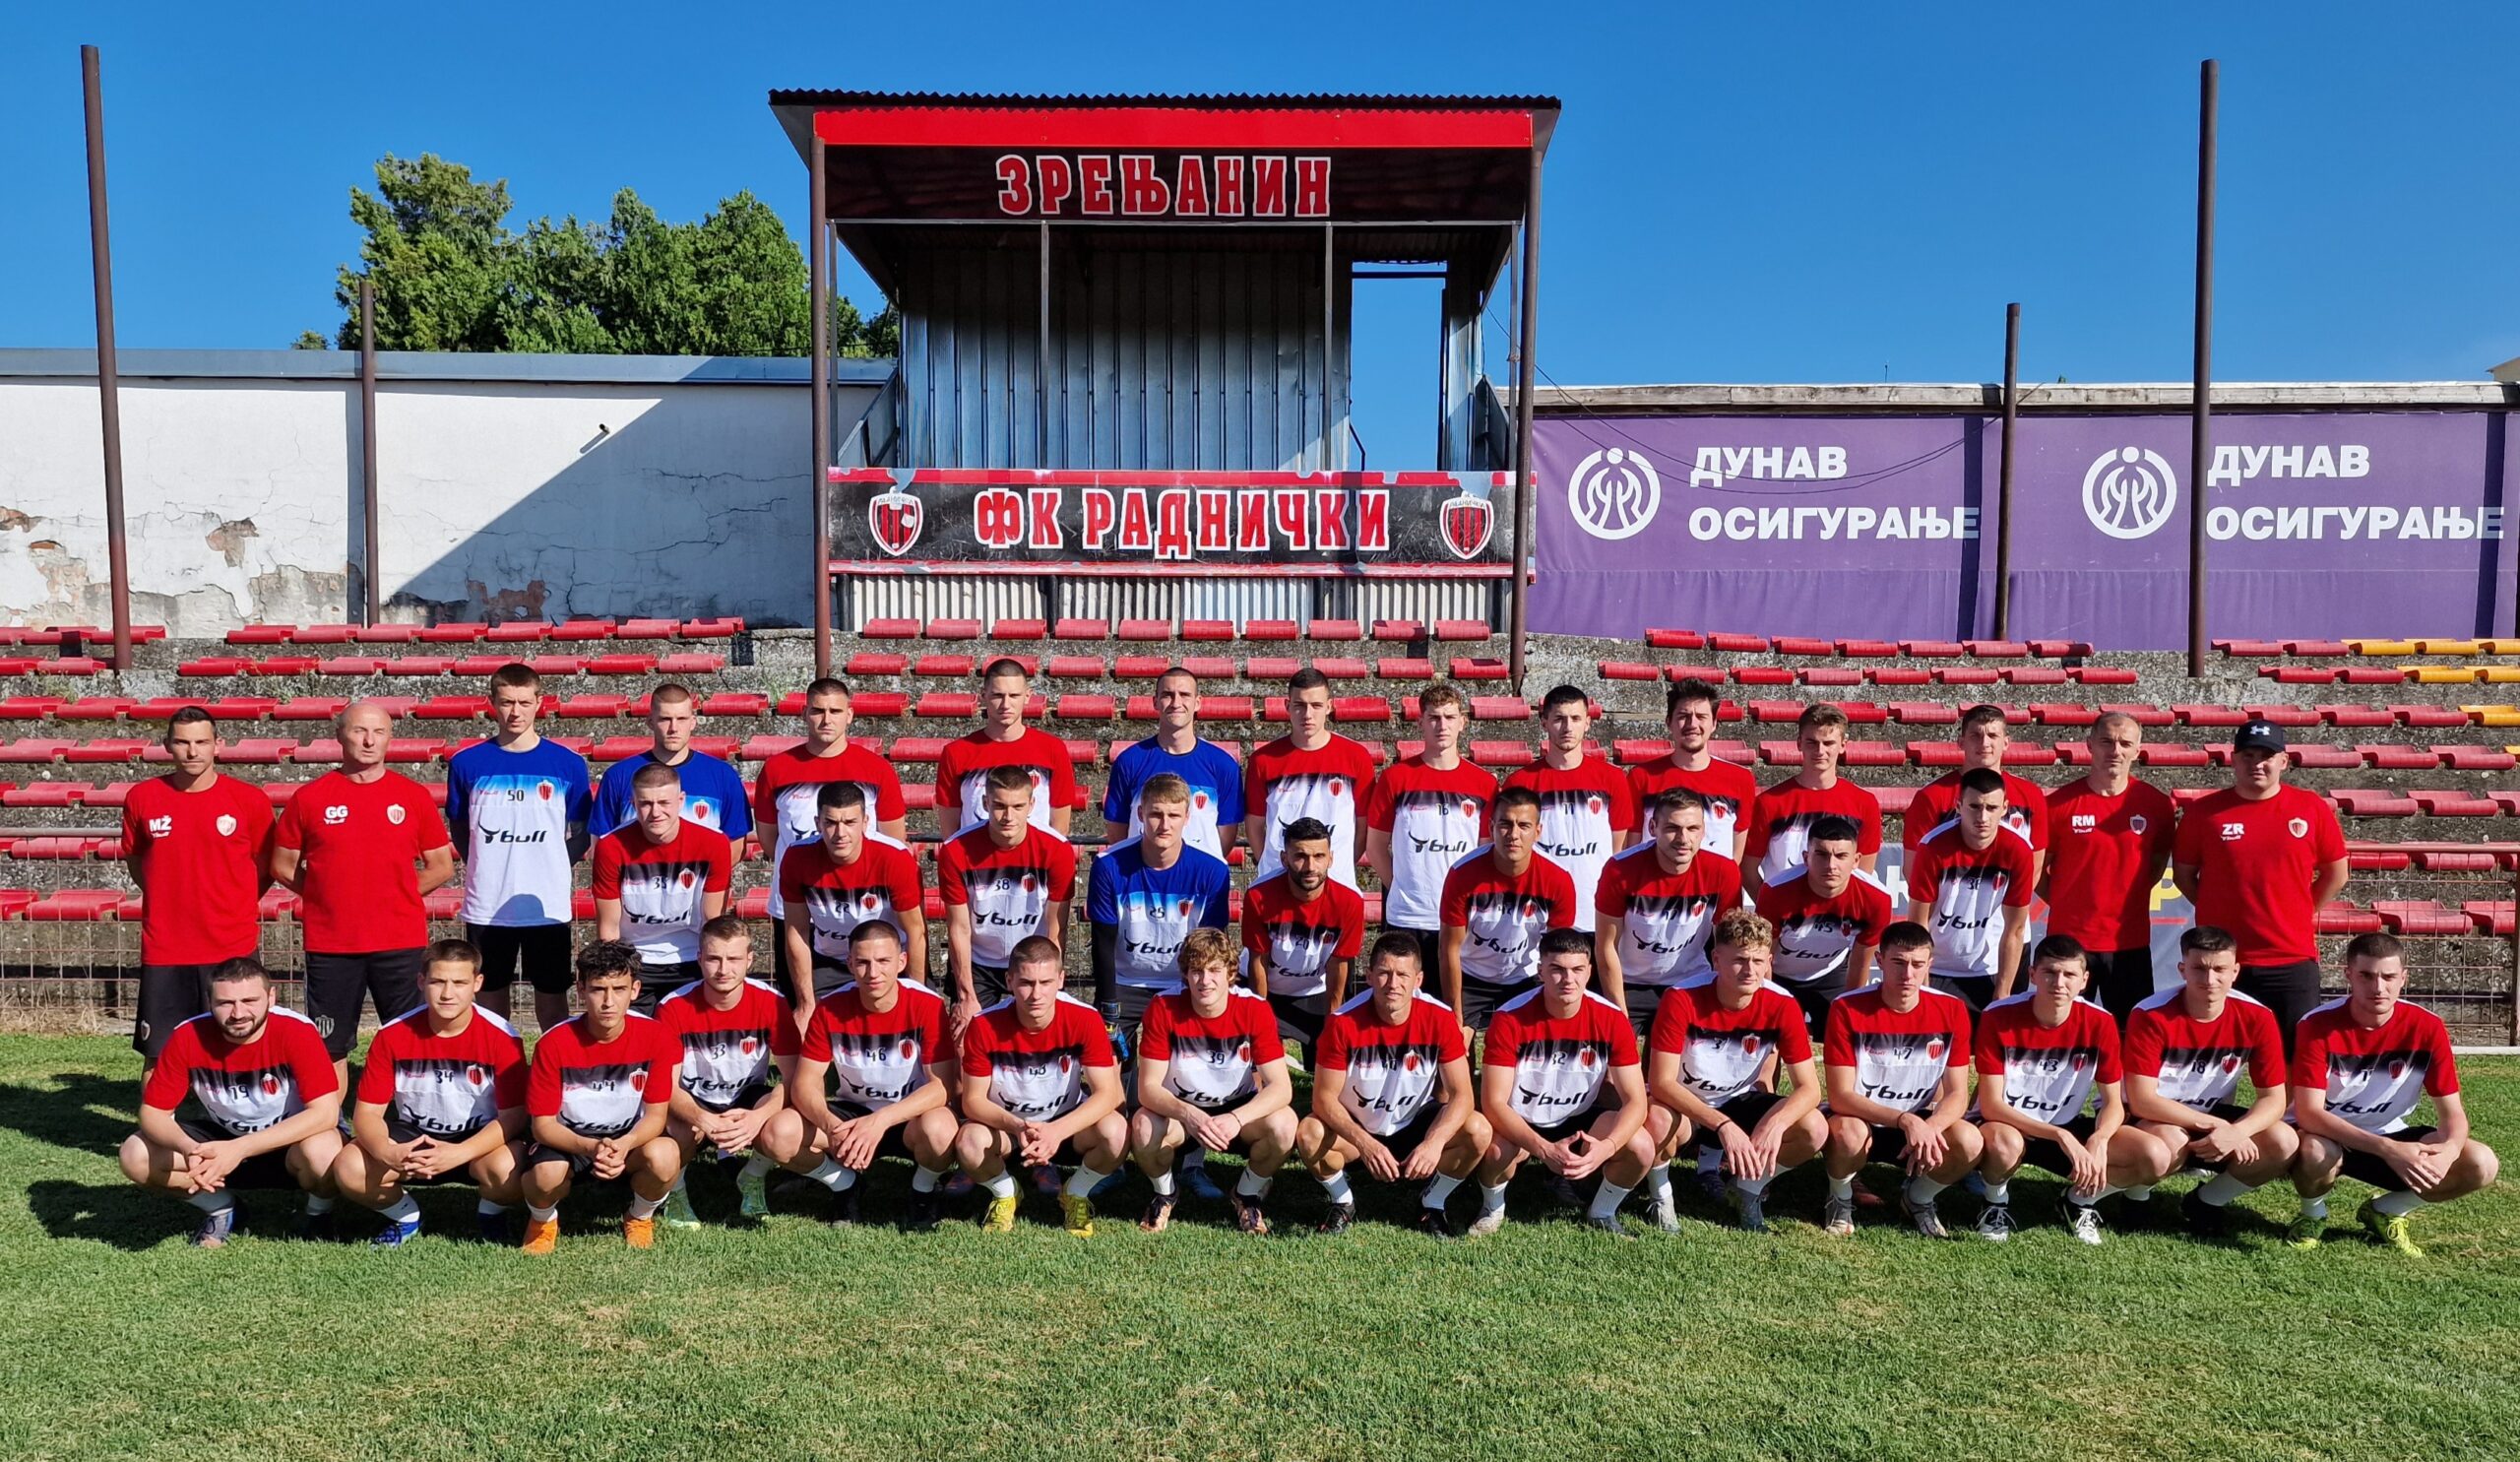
x=55, y=635
x=506, y=632
x=2336, y=649
x=2076, y=712
x=1219, y=631
x=1845, y=675
x=949, y=665
x=687, y=662
x=52, y=664
x=1859, y=649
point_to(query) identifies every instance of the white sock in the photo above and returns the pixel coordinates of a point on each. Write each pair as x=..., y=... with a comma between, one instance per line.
x=1163, y=1184
x=1000, y=1187
x=542, y=1215
x=1491, y=1200
x=1439, y=1190
x=925, y=1180
x=317, y=1207
x=1658, y=1183
x=2000, y=1192
x=1253, y=1185
x=834, y=1176
x=2397, y=1205
x=218, y=1202
x=2078, y=1201
x=1080, y=1183
x=1756, y=1187
x=1922, y=1191
x=1607, y=1201
x=401, y=1211
x=1335, y=1186
x=2314, y=1208
x=2221, y=1189
x=2140, y=1193
x=755, y=1167
x=484, y=1205
x=642, y=1206
x=1841, y=1188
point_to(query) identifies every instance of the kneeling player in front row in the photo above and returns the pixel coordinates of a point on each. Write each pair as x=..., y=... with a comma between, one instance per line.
x=1561, y=1084
x=270, y=1103
x=2359, y=1064
x=1211, y=1068
x=602, y=1086
x=1711, y=1037
x=1040, y=1087
x=441, y=1100
x=1897, y=1053
x=731, y=1026
x=1391, y=1091
x=2041, y=1056
x=2185, y=1049
x=874, y=1077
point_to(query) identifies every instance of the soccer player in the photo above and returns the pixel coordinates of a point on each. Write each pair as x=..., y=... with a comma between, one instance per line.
x=519, y=805
x=2185, y=1050
x=1497, y=903
x=876, y=1076
x=1309, y=772
x=2359, y=1067
x=199, y=845
x=838, y=881
x=362, y=846
x=1040, y=1087
x=1423, y=815
x=2258, y=858
x=1004, y=741
x=1391, y=1091
x=1829, y=916
x=1968, y=881
x=1214, y=776
x=1690, y=712
x=1897, y=1067
x=1002, y=883
x=2041, y=1057
x=2108, y=840
x=598, y=1098
x=731, y=1029
x=1144, y=897
x=784, y=808
x=1586, y=809
x=271, y=1101
x=1783, y=817
x=1301, y=933
x=1984, y=737
x=1562, y=1083
x=658, y=880
x=712, y=792
x=1659, y=901
x=1711, y=1037
x=1211, y=1069
x=440, y=1100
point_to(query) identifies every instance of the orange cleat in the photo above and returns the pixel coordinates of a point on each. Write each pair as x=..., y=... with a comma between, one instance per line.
x=541, y=1237
x=640, y=1233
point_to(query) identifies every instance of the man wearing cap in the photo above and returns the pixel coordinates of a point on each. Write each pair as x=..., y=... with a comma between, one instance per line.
x=2258, y=858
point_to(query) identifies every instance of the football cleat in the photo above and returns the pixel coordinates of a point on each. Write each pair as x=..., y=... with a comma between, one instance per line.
x=1994, y=1223
x=639, y=1232
x=2389, y=1229
x=1000, y=1217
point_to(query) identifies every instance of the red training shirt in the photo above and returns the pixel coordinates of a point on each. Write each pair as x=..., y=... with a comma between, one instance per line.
x=201, y=856
x=1665, y=919
x=1730, y=792
x=962, y=773
x=727, y=1052
x=786, y=791
x=882, y=883
x=1780, y=822
x=359, y=886
x=1899, y=1058
x=2196, y=1063
x=1009, y=890
x=1814, y=934
x=660, y=884
x=1434, y=817
x=2026, y=809
x=1503, y=917
x=1212, y=1062
x=2255, y=864
x=1966, y=891
x=2104, y=856
x=1720, y=1050
x=1281, y=784
x=2049, y=1074
x=877, y=1058
x=1561, y=1063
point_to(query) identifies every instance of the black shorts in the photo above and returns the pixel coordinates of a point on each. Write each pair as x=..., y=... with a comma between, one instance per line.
x=1132, y=1002
x=892, y=1144
x=1642, y=1001
x=2228, y=1112
x=1561, y=1130
x=1479, y=1000
x=337, y=982
x=989, y=983
x=2120, y=980
x=655, y=981
x=1405, y=1141
x=2365, y=1167
x=2043, y=1154
x=1743, y=1112
x=2290, y=990
x=1814, y=998
x=403, y=1131
x=264, y=1170
x=169, y=995
x=580, y=1164
x=829, y=976
x=750, y=1096
x=1301, y=1019
x=1978, y=991
x=1889, y=1143
x=541, y=949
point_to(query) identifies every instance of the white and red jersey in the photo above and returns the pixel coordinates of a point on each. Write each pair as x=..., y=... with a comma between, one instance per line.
x=1721, y=1050
x=1212, y=1061
x=2255, y=864
x=2374, y=1075
x=1583, y=811
x=244, y=1088
x=2198, y=1062
x=1780, y=822
x=1294, y=942
x=2049, y=1071
x=602, y=1088
x=785, y=793
x=660, y=886
x=1665, y=920
x=1728, y=791
x=2104, y=856
x=877, y=888
x=1503, y=917
x=1939, y=802
x=1813, y=934
x=728, y=1052
x=1561, y=1063
x=962, y=777
x=201, y=856
x=1393, y=1071
x=1008, y=890
x=1036, y=1075
x=1966, y=890
x=878, y=1058
x=446, y=1086
x=1434, y=817
x=1899, y=1058
x=1282, y=784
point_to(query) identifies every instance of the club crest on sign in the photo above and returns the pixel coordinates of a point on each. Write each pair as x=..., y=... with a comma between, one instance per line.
x=895, y=518
x=1468, y=523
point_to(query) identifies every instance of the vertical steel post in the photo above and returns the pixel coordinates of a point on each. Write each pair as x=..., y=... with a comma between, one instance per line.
x=109, y=376
x=2003, y=473
x=2515, y=958
x=1524, y=371
x=818, y=287
x=374, y=608
x=2201, y=432
x=1041, y=372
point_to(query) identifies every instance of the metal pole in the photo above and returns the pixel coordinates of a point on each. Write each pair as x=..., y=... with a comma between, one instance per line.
x=1043, y=370
x=1524, y=370
x=367, y=445
x=2515, y=959
x=2201, y=432
x=2003, y=474
x=108, y=380
x=818, y=287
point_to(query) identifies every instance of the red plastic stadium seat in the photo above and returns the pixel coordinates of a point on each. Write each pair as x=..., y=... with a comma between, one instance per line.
x=46, y=793
x=1398, y=629
x=879, y=703
x=741, y=703
x=617, y=748
x=2159, y=754
x=2329, y=647
x=2434, y=717
x=875, y=662
x=2249, y=649
x=1762, y=675
x=105, y=751
x=1804, y=645
x=2060, y=649
x=34, y=749
x=1270, y=631
x=576, y=664
x=1893, y=800
x=1631, y=751
x=27, y=707
x=264, y=751
x=2101, y=674
x=1499, y=708
x=1674, y=639
x=1207, y=631
x=1499, y=753
x=260, y=634
x=1140, y=667
x=580, y=631
x=2343, y=917
x=1830, y=676
x=616, y=665
x=451, y=634
x=1404, y=669
x=1867, y=754
x=764, y=747
x=2455, y=804
x=1463, y=631
x=2284, y=714
x=1932, y=648
x=1965, y=675
x=1922, y=713
x=1774, y=712
x=1146, y=631
x=1085, y=708
x=2373, y=675
x=2297, y=675
x=517, y=632
x=1995, y=649
x=1084, y=752
x=952, y=629
x=1934, y=753
x=1336, y=629
x=471, y=666
x=76, y=906
x=420, y=664
x=214, y=666
x=1369, y=708
x=1079, y=668
x=2063, y=713
x=2210, y=715
x=1626, y=669
x=591, y=707
x=2310, y=756
x=2147, y=717
x=326, y=707
x=1867, y=649
x=2490, y=917
x=1019, y=629
x=1081, y=629
x=725, y=628
x=1899, y=675
x=948, y=667
x=1733, y=644
x=2369, y=802
x=1225, y=707
x=952, y=705
x=2389, y=758
x=691, y=662
x=890, y=629
x=1475, y=669
x=2475, y=758
x=2033, y=674
x=321, y=634
x=449, y=708
x=93, y=707
x=2378, y=859
x=2031, y=754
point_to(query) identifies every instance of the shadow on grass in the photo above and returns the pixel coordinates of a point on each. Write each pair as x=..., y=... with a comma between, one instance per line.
x=126, y=1217
x=82, y=1112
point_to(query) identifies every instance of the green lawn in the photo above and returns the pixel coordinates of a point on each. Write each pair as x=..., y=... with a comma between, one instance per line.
x=1546, y=1341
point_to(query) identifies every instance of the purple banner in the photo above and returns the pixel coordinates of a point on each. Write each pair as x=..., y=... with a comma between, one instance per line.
x=2319, y=526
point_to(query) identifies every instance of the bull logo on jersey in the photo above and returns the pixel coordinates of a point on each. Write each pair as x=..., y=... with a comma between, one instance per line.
x=1468, y=523
x=895, y=519
x=227, y=826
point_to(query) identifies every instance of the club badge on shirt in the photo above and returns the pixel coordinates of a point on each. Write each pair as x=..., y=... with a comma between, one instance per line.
x=394, y=813
x=226, y=825
x=2298, y=827
x=2134, y=824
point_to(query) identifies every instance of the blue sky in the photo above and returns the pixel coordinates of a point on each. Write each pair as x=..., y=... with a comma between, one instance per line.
x=1738, y=193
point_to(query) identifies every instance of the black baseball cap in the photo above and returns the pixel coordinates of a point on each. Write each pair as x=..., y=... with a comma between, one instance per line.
x=2259, y=734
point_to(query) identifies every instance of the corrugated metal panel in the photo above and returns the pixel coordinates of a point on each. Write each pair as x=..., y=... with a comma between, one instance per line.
x=1428, y=600
x=1119, y=599
x=939, y=597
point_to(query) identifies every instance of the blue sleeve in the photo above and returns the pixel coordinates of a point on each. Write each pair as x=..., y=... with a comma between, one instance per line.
x=581, y=789
x=1121, y=790
x=612, y=799
x=1102, y=892
x=1221, y=885
x=459, y=803
x=1228, y=775
x=734, y=801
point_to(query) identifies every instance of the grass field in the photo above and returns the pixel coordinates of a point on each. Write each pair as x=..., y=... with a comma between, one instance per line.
x=1546, y=1341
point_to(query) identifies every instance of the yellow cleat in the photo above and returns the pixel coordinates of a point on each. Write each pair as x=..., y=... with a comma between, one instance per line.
x=2390, y=1229
x=1078, y=1212
x=640, y=1233
x=541, y=1237
x=1000, y=1218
